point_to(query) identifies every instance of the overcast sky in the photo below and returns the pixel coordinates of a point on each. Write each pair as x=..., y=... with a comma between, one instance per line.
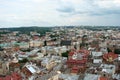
x=15, y=13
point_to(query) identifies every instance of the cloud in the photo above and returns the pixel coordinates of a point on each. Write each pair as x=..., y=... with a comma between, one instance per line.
x=93, y=7
x=66, y=9
x=107, y=3
x=58, y=12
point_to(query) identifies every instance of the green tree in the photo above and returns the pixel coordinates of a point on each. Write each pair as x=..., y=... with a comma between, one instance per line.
x=23, y=61
x=65, y=54
x=117, y=51
x=109, y=50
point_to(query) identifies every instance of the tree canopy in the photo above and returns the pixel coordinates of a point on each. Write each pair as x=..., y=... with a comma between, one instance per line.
x=117, y=51
x=65, y=54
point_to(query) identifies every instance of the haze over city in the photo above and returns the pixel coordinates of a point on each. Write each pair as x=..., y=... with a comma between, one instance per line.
x=59, y=40
x=16, y=13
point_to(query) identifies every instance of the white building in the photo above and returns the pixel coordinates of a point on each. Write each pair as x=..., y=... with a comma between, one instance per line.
x=110, y=69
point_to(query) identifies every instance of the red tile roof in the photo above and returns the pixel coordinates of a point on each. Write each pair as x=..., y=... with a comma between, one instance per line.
x=16, y=76
x=77, y=61
x=103, y=78
x=110, y=54
x=79, y=51
x=81, y=61
x=13, y=76
x=75, y=69
x=8, y=77
x=71, y=53
x=1, y=78
x=71, y=61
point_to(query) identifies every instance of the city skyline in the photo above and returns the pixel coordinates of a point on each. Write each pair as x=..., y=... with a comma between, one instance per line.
x=59, y=12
